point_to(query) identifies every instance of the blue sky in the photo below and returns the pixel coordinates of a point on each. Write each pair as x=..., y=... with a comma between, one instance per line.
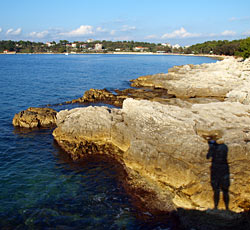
x=184, y=22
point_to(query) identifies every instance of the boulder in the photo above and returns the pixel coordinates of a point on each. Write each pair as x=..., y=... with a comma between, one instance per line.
x=165, y=151
x=35, y=118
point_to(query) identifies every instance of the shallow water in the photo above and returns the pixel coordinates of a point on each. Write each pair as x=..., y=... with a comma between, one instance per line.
x=40, y=187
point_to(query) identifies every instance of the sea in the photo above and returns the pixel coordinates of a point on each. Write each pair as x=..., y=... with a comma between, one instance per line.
x=40, y=186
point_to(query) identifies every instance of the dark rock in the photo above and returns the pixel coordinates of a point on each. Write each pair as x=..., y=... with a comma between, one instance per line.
x=35, y=118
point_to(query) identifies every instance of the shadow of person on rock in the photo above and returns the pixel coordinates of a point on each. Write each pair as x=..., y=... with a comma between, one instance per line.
x=220, y=175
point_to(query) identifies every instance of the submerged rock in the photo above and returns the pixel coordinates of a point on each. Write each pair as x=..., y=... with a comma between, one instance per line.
x=35, y=118
x=164, y=149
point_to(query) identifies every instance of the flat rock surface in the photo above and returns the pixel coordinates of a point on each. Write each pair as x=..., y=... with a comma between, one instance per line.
x=223, y=79
x=165, y=148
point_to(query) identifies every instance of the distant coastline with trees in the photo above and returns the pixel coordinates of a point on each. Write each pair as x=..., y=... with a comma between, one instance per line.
x=221, y=47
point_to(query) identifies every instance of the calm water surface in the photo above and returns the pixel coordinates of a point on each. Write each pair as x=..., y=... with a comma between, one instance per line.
x=40, y=188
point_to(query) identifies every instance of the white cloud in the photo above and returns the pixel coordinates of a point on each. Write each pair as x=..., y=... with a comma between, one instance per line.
x=81, y=31
x=39, y=34
x=228, y=33
x=112, y=32
x=126, y=28
x=233, y=19
x=212, y=35
x=100, y=29
x=246, y=33
x=181, y=33
x=1, y=30
x=224, y=33
x=14, y=32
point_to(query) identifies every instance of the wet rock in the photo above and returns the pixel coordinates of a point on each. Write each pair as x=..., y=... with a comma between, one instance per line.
x=100, y=95
x=35, y=118
x=117, y=98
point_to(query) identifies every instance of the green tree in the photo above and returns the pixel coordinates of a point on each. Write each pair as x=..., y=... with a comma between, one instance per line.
x=63, y=42
x=61, y=50
x=244, y=48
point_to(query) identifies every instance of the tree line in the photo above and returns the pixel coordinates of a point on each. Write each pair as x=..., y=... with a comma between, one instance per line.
x=221, y=47
x=232, y=48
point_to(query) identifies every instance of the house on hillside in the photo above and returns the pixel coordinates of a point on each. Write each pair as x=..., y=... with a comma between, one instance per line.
x=9, y=52
x=98, y=46
x=49, y=44
x=176, y=46
x=166, y=45
x=90, y=40
x=83, y=46
x=140, y=49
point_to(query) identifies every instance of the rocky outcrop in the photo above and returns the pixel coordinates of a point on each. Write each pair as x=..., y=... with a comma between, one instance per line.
x=35, y=118
x=242, y=92
x=219, y=80
x=117, y=98
x=164, y=148
x=100, y=95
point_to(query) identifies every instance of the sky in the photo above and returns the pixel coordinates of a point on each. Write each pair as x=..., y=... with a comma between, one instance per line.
x=183, y=22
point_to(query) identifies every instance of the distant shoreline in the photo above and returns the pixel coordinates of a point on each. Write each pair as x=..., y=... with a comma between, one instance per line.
x=219, y=57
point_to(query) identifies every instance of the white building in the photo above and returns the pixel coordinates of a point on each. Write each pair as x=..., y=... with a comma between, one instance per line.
x=166, y=44
x=90, y=40
x=176, y=46
x=74, y=45
x=83, y=46
x=140, y=49
x=49, y=44
x=98, y=46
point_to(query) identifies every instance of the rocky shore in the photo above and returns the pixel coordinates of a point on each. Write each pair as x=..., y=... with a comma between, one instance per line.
x=182, y=138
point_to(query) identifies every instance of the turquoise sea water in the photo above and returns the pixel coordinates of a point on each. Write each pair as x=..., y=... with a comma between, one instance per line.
x=40, y=188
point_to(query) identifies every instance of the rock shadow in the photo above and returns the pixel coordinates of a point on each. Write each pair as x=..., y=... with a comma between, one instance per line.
x=220, y=173
x=212, y=219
